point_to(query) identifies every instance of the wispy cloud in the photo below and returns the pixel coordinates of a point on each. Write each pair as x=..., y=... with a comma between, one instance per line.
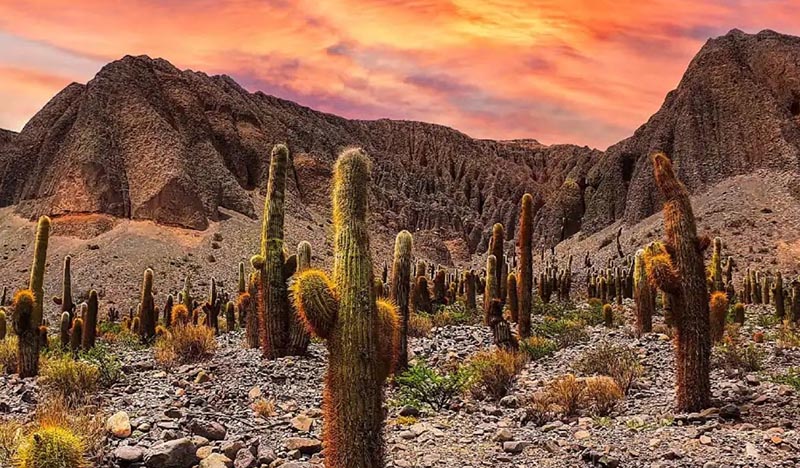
x=586, y=72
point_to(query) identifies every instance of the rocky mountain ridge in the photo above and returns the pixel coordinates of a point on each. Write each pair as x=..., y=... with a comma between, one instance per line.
x=144, y=140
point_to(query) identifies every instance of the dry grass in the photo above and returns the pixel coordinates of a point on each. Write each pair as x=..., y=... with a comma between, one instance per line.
x=494, y=371
x=8, y=354
x=185, y=344
x=72, y=380
x=419, y=326
x=619, y=362
x=264, y=408
x=601, y=395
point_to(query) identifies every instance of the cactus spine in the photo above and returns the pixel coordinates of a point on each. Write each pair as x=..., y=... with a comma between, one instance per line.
x=147, y=313
x=28, y=318
x=678, y=270
x=275, y=317
x=90, y=322
x=361, y=334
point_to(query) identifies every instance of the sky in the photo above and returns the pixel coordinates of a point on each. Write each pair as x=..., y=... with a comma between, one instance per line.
x=587, y=72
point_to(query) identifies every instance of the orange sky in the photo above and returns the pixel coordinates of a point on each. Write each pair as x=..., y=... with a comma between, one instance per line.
x=560, y=71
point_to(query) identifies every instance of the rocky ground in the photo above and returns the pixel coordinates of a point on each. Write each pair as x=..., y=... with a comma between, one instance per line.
x=206, y=409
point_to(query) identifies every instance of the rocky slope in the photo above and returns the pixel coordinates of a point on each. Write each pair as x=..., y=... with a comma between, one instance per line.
x=146, y=141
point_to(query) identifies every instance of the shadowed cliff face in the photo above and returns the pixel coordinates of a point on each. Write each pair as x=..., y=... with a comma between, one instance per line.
x=144, y=140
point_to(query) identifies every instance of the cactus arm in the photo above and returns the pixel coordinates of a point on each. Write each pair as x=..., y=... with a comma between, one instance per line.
x=662, y=273
x=316, y=302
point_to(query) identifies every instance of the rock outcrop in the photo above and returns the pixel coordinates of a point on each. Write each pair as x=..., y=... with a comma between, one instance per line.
x=144, y=140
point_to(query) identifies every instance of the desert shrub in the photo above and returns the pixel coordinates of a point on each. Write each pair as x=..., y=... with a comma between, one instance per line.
x=537, y=347
x=453, y=314
x=791, y=378
x=51, y=447
x=422, y=385
x=264, y=408
x=566, y=392
x=788, y=337
x=85, y=422
x=70, y=379
x=11, y=434
x=565, y=332
x=493, y=372
x=619, y=362
x=8, y=354
x=767, y=320
x=663, y=329
x=601, y=395
x=541, y=410
x=106, y=327
x=108, y=366
x=733, y=356
x=185, y=344
x=419, y=325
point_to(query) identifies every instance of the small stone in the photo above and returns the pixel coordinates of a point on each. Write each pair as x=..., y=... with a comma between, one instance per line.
x=581, y=435
x=503, y=435
x=203, y=452
x=254, y=393
x=216, y=460
x=265, y=455
x=730, y=412
x=515, y=446
x=302, y=423
x=231, y=448
x=128, y=454
x=751, y=451
x=202, y=377
x=211, y=430
x=119, y=425
x=705, y=440
x=409, y=411
x=305, y=445
x=178, y=453
x=509, y=401
x=244, y=459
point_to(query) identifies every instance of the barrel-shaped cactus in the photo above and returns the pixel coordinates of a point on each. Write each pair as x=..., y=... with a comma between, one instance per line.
x=400, y=290
x=678, y=270
x=361, y=334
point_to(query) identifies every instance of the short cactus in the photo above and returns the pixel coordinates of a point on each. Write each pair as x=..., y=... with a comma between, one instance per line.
x=718, y=308
x=90, y=322
x=608, y=315
x=75, y=335
x=400, y=290
x=230, y=316
x=64, y=329
x=147, y=314
x=361, y=334
x=738, y=313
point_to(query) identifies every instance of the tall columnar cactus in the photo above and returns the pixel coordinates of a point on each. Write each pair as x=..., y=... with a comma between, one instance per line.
x=167, y=318
x=618, y=294
x=275, y=267
x=213, y=307
x=242, y=281
x=299, y=338
x=777, y=296
x=28, y=316
x=747, y=288
x=3, y=324
x=421, y=296
x=470, y=288
x=715, y=267
x=230, y=316
x=765, y=289
x=361, y=334
x=400, y=290
x=490, y=290
x=439, y=288
x=643, y=296
x=511, y=297
x=187, y=294
x=525, y=251
x=496, y=249
x=90, y=322
x=678, y=270
x=248, y=306
x=795, y=309
x=147, y=313
x=65, y=301
x=738, y=313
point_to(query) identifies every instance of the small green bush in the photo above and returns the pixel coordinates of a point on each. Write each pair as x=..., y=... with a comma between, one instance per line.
x=733, y=356
x=70, y=379
x=108, y=365
x=619, y=362
x=422, y=385
x=791, y=378
x=564, y=331
x=538, y=347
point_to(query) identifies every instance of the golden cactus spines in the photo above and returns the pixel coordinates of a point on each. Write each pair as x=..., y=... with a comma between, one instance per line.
x=643, y=295
x=345, y=311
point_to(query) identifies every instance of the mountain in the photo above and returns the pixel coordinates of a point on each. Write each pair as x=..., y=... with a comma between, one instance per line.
x=144, y=140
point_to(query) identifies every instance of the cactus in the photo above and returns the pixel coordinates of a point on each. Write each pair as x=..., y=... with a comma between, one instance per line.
x=777, y=295
x=136, y=327
x=230, y=316
x=603, y=288
x=90, y=322
x=747, y=288
x=147, y=313
x=795, y=308
x=277, y=320
x=167, y=319
x=248, y=306
x=27, y=320
x=715, y=267
x=765, y=289
x=643, y=295
x=678, y=270
x=496, y=249
x=421, y=297
x=490, y=291
x=399, y=292
x=608, y=315
x=75, y=335
x=242, y=282
x=361, y=334
x=187, y=294
x=439, y=289
x=3, y=298
x=511, y=297
x=618, y=294
x=65, y=301
x=718, y=309
x=2, y=324
x=525, y=280
x=212, y=307
x=64, y=328
x=470, y=290
x=501, y=331
x=738, y=313
x=44, y=342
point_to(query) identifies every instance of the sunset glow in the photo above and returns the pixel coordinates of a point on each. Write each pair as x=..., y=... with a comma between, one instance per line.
x=567, y=71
